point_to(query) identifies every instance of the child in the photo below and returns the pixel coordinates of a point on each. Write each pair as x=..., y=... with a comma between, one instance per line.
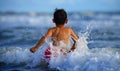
x=59, y=34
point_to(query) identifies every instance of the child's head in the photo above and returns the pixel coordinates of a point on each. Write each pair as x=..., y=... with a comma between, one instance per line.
x=60, y=17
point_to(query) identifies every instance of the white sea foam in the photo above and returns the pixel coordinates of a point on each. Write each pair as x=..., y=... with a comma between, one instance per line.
x=81, y=59
x=84, y=59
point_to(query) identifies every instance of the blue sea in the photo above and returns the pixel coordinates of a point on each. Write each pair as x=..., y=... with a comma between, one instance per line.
x=98, y=48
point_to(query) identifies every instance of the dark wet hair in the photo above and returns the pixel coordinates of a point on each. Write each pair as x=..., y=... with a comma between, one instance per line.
x=60, y=16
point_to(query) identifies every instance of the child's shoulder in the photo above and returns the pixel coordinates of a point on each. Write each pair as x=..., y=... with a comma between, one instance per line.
x=68, y=28
x=52, y=28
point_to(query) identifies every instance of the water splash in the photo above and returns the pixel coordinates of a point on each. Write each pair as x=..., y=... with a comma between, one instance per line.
x=84, y=59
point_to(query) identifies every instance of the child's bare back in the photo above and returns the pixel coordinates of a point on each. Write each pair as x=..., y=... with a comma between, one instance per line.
x=60, y=33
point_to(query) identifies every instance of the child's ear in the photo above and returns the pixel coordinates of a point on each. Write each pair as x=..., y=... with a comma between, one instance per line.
x=66, y=21
x=53, y=20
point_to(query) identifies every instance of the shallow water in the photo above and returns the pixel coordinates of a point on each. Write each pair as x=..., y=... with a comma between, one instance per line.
x=98, y=49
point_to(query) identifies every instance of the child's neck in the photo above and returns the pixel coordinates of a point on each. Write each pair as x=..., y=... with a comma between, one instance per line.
x=60, y=25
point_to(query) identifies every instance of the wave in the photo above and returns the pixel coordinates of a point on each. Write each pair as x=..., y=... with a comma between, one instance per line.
x=82, y=59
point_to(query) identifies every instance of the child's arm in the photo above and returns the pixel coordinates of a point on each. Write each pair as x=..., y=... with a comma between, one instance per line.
x=41, y=41
x=74, y=38
x=35, y=48
x=74, y=45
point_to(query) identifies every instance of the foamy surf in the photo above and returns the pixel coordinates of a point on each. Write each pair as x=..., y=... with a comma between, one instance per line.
x=82, y=59
x=85, y=59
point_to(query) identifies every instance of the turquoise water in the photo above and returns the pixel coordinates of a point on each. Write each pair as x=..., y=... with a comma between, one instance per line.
x=98, y=49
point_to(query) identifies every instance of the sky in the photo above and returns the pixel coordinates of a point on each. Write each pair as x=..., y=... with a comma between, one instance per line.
x=69, y=5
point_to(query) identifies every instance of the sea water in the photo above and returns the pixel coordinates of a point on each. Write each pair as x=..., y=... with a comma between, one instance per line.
x=98, y=48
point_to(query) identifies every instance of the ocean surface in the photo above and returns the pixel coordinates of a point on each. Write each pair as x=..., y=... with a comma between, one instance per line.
x=98, y=48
